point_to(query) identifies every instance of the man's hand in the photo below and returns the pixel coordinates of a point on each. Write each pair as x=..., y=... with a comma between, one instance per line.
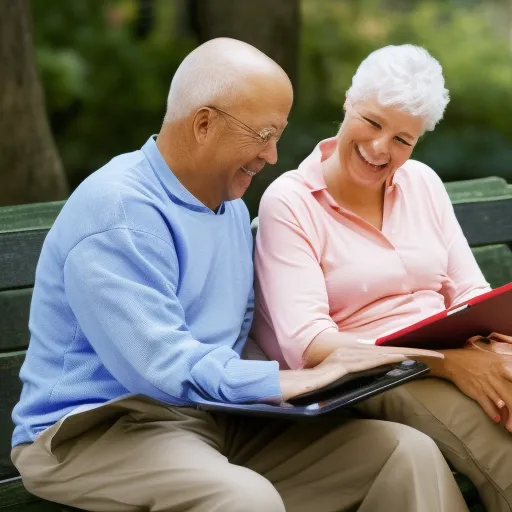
x=484, y=373
x=351, y=358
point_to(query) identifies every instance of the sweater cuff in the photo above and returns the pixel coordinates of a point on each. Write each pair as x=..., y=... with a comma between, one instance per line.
x=224, y=377
x=251, y=381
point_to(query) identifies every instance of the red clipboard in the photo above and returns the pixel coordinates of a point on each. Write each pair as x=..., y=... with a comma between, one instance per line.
x=489, y=312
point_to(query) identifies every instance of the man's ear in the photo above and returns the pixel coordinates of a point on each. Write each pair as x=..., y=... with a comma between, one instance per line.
x=202, y=124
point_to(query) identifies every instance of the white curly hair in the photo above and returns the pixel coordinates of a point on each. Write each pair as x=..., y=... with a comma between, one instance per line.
x=404, y=76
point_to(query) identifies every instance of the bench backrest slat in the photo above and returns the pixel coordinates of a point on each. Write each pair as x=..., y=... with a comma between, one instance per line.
x=10, y=388
x=19, y=252
x=29, y=216
x=486, y=222
x=14, y=314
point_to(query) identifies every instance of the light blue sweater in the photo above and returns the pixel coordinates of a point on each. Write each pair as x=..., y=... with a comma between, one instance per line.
x=140, y=289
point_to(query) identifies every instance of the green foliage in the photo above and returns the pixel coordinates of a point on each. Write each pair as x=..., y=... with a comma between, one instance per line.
x=106, y=89
x=475, y=138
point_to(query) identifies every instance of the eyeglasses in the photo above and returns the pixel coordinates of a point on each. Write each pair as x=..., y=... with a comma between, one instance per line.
x=262, y=136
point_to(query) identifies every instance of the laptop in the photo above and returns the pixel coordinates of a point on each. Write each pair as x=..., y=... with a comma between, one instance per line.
x=451, y=328
x=346, y=391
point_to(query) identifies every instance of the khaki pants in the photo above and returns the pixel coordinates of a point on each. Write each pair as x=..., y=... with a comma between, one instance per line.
x=472, y=443
x=137, y=454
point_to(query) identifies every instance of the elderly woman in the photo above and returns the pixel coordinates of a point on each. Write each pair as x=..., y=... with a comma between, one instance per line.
x=361, y=241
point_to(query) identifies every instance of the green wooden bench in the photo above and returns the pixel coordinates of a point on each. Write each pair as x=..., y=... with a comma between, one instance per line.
x=483, y=207
x=22, y=231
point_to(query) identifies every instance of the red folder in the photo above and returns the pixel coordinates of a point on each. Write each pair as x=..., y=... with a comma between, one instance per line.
x=489, y=312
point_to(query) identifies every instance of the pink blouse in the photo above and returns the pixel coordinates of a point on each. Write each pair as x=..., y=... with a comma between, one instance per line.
x=319, y=266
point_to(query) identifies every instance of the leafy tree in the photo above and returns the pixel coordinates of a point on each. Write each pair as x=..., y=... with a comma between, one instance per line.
x=106, y=85
x=475, y=138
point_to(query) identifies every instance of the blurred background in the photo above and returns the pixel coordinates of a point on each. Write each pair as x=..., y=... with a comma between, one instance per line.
x=84, y=80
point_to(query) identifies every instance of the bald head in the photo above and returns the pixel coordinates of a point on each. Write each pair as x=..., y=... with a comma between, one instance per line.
x=220, y=72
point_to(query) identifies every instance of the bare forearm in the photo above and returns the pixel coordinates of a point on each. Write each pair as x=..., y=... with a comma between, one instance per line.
x=329, y=341
x=324, y=345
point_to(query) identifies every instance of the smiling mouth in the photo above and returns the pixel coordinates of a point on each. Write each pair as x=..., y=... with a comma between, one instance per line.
x=377, y=167
x=250, y=173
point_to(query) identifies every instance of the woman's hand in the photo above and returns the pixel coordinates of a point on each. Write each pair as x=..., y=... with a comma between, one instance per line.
x=483, y=371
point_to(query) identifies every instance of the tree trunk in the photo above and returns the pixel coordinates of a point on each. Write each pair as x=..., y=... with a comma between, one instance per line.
x=30, y=166
x=272, y=26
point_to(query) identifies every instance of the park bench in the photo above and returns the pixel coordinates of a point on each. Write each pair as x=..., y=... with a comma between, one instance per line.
x=483, y=207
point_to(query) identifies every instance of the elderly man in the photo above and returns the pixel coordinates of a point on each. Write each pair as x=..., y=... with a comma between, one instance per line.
x=141, y=308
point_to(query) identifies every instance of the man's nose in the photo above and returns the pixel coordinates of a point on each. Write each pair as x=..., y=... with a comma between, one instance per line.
x=269, y=153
